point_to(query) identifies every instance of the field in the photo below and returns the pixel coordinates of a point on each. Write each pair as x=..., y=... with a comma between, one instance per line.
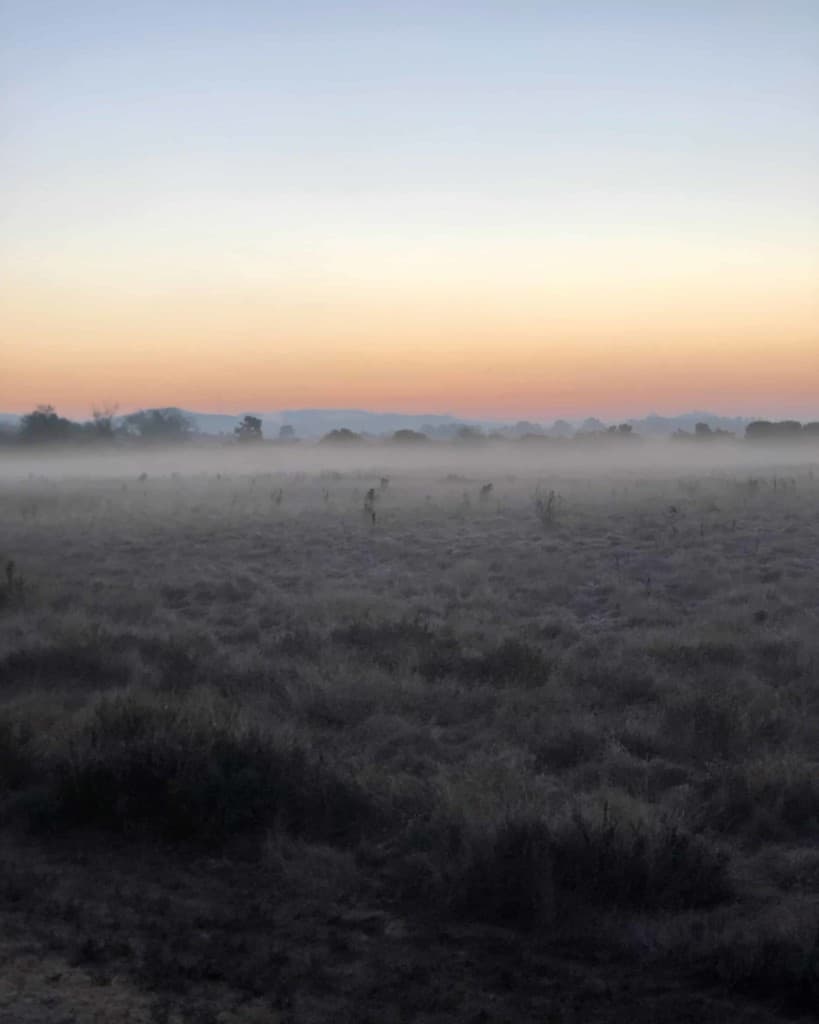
x=302, y=736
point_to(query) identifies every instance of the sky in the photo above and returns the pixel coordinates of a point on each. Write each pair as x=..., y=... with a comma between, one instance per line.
x=498, y=209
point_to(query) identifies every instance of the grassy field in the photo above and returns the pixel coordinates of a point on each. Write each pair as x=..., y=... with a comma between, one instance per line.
x=302, y=737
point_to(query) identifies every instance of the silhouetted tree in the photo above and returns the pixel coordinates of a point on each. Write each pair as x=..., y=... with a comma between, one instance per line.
x=160, y=425
x=102, y=422
x=407, y=436
x=591, y=426
x=524, y=427
x=341, y=436
x=764, y=430
x=287, y=433
x=702, y=430
x=250, y=429
x=44, y=426
x=469, y=435
x=759, y=430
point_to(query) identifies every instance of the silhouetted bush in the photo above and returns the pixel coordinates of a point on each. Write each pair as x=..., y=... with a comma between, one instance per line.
x=528, y=872
x=250, y=429
x=341, y=436
x=159, y=425
x=44, y=426
x=409, y=437
x=764, y=430
x=136, y=765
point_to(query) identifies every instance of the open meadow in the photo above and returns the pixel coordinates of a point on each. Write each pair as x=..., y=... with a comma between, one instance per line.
x=491, y=735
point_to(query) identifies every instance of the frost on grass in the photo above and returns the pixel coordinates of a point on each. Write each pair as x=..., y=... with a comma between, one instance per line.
x=584, y=698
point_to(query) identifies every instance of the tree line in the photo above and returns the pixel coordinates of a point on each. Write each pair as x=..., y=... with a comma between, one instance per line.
x=44, y=426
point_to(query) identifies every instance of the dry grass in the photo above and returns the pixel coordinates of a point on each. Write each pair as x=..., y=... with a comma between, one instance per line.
x=598, y=731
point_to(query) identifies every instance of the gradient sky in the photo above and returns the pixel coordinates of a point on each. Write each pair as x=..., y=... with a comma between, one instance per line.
x=500, y=208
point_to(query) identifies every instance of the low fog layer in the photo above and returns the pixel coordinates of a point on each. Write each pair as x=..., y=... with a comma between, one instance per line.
x=490, y=461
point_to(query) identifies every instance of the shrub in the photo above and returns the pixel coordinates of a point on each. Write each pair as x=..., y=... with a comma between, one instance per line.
x=773, y=799
x=510, y=662
x=508, y=877
x=300, y=642
x=180, y=773
x=12, y=587
x=87, y=657
x=546, y=507
x=780, y=660
x=775, y=957
x=569, y=744
x=407, y=641
x=694, y=657
x=527, y=871
x=722, y=722
x=16, y=754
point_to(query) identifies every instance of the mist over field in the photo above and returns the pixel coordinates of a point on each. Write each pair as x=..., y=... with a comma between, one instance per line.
x=534, y=457
x=484, y=732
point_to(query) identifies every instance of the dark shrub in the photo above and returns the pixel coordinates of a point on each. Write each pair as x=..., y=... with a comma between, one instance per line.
x=408, y=641
x=90, y=658
x=508, y=879
x=722, y=722
x=767, y=800
x=770, y=963
x=179, y=773
x=700, y=655
x=528, y=871
x=511, y=662
x=780, y=661
x=17, y=764
x=300, y=642
x=566, y=747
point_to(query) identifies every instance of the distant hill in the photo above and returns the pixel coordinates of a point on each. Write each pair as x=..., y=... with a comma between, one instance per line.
x=664, y=425
x=310, y=423
x=316, y=422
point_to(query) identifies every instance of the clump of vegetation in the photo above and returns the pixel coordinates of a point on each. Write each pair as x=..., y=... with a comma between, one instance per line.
x=17, y=757
x=12, y=588
x=546, y=507
x=419, y=708
x=90, y=656
x=389, y=644
x=343, y=435
x=512, y=662
x=774, y=799
x=774, y=957
x=186, y=772
x=528, y=871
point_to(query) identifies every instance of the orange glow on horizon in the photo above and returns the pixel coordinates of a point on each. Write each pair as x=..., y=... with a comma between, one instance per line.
x=526, y=340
